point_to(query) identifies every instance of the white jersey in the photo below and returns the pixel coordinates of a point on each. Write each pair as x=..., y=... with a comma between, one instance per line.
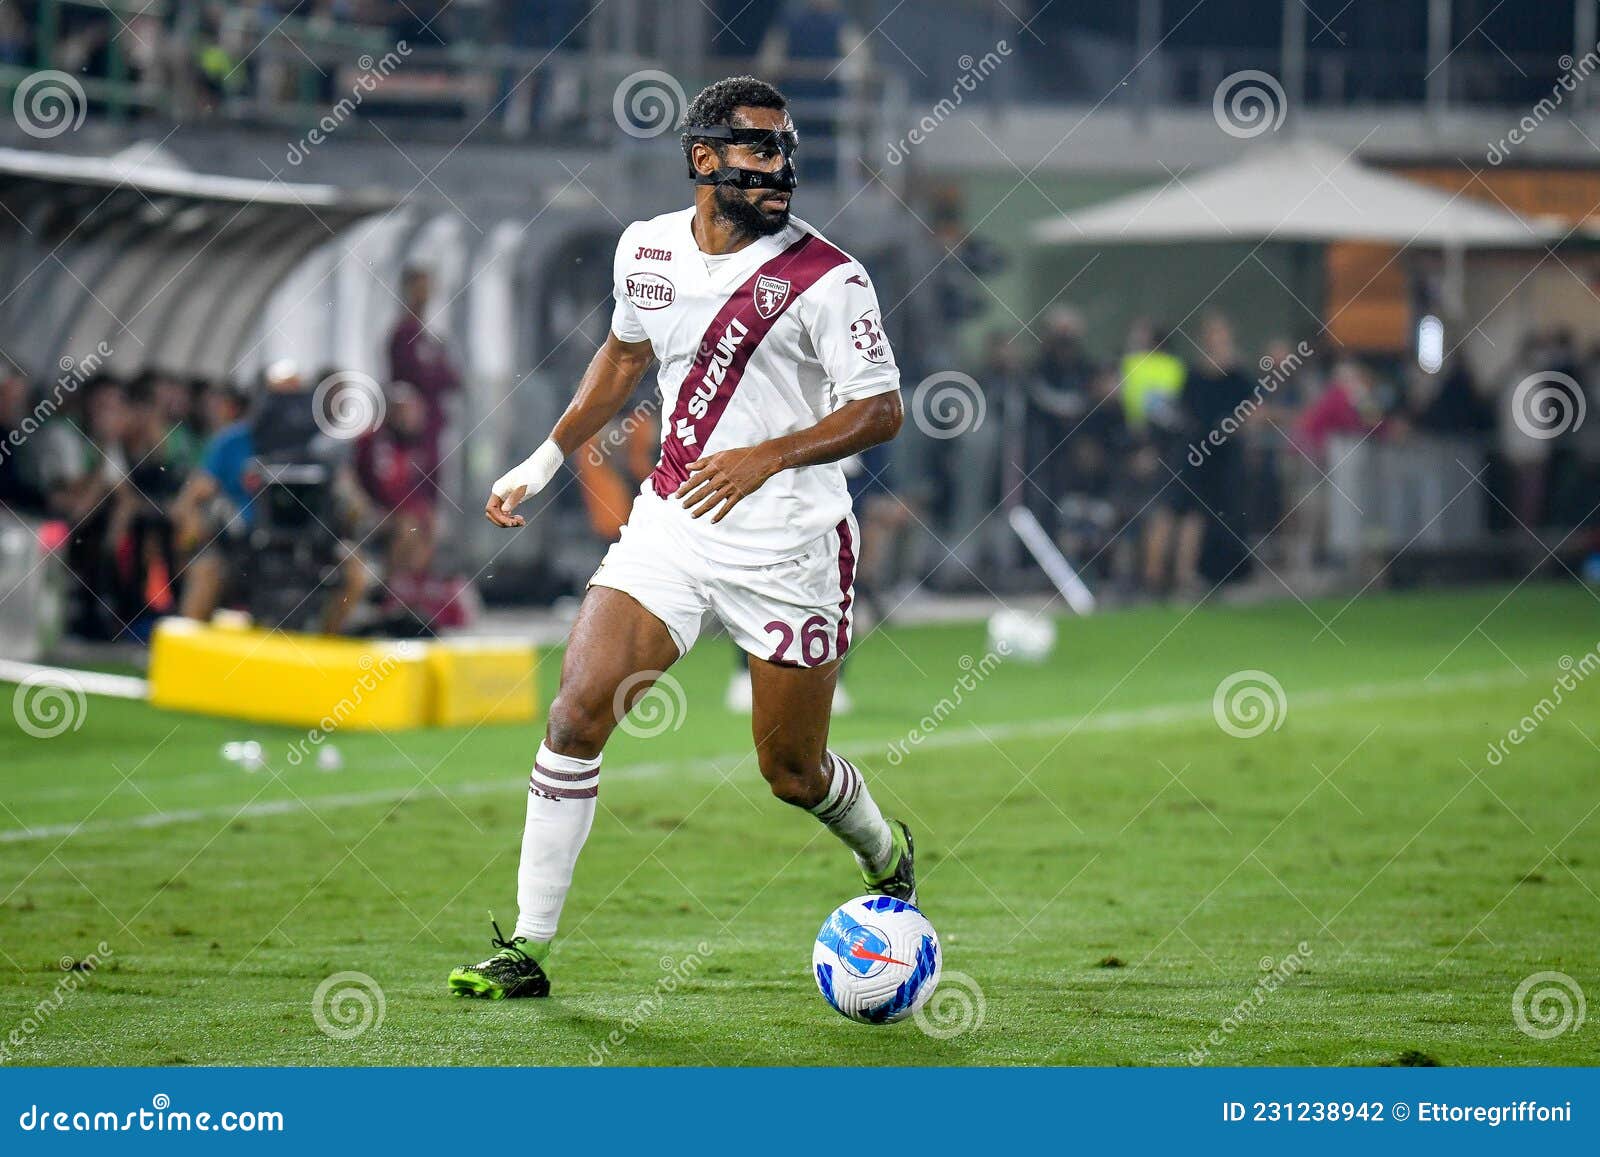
x=753, y=345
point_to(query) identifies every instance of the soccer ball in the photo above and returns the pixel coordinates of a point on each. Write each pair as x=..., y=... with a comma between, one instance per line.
x=876, y=959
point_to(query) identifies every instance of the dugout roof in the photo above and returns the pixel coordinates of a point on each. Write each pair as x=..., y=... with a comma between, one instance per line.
x=1298, y=192
x=168, y=268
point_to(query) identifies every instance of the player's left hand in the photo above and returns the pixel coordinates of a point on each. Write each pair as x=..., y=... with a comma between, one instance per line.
x=719, y=482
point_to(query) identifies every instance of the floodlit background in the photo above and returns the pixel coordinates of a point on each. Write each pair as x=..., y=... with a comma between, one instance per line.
x=1247, y=510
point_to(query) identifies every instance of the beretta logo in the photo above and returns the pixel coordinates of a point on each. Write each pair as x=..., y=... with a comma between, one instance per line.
x=649, y=290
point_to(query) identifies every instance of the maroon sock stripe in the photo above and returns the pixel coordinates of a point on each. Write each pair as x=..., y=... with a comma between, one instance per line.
x=847, y=578
x=725, y=349
x=566, y=776
x=849, y=790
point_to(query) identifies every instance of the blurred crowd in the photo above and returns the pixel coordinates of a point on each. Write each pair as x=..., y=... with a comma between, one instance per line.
x=1183, y=460
x=193, y=55
x=310, y=500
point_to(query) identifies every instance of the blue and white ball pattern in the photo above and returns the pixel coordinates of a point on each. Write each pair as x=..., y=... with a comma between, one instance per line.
x=876, y=959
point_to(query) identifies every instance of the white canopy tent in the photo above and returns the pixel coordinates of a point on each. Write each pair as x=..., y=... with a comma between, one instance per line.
x=1298, y=192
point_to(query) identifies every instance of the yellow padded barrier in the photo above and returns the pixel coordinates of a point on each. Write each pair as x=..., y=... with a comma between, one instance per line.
x=355, y=684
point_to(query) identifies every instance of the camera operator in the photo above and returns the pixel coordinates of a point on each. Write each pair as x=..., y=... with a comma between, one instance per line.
x=262, y=515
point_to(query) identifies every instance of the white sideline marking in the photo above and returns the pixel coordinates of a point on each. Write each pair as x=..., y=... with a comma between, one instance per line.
x=91, y=682
x=1156, y=716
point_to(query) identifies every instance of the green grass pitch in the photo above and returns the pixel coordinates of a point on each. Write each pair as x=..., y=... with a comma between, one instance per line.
x=1114, y=871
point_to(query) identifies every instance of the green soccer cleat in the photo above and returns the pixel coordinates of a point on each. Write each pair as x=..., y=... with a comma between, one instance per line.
x=510, y=972
x=900, y=881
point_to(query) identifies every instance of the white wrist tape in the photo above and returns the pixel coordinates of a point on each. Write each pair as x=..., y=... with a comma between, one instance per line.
x=530, y=476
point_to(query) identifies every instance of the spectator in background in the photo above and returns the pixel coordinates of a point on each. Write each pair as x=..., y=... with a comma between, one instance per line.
x=1152, y=375
x=984, y=462
x=394, y=464
x=1060, y=395
x=21, y=487
x=212, y=512
x=417, y=356
x=14, y=46
x=85, y=462
x=1212, y=498
x=139, y=534
x=1453, y=406
x=1348, y=406
x=1098, y=494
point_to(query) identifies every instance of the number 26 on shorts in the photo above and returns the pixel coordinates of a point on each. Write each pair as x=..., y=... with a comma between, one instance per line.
x=815, y=643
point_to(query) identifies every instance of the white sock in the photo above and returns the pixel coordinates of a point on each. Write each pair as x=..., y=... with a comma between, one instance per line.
x=848, y=811
x=561, y=803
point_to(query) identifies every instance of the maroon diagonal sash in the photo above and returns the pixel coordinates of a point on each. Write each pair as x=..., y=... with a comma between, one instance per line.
x=741, y=324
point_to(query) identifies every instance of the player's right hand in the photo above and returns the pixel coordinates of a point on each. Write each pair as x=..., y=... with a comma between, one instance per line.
x=526, y=478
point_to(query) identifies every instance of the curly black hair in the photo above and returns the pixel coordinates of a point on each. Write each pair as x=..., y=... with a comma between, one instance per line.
x=716, y=102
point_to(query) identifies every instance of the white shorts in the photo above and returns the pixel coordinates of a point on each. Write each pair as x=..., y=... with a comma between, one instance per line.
x=795, y=613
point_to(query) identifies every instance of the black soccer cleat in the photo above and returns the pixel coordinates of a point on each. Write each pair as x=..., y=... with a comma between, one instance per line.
x=510, y=972
x=900, y=881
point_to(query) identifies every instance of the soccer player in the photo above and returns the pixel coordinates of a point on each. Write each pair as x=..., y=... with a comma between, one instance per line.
x=774, y=368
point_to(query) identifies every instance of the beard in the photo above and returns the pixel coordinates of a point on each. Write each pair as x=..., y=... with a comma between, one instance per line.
x=746, y=216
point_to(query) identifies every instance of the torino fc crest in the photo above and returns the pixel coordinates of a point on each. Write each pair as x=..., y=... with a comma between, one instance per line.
x=771, y=293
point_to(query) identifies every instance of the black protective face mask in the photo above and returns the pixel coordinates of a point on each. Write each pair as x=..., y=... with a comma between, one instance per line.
x=784, y=140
